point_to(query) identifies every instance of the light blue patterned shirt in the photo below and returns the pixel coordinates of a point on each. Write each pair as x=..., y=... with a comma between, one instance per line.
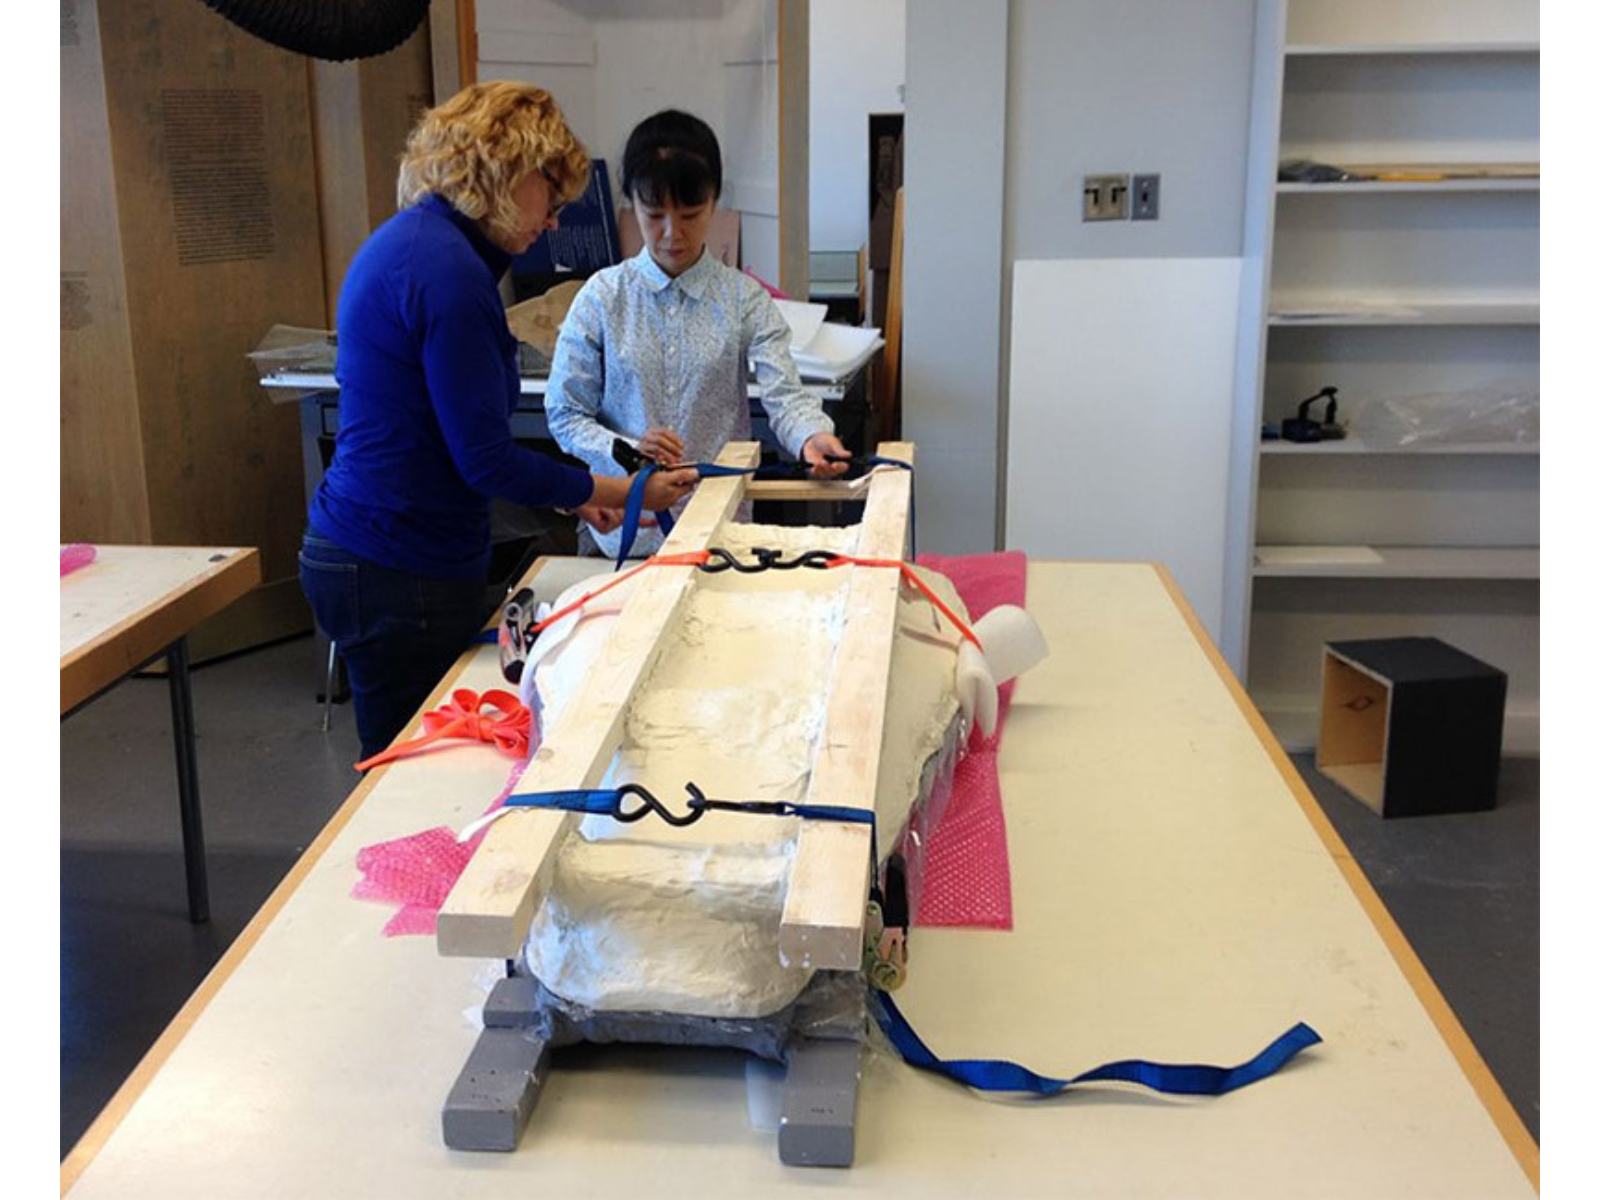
x=640, y=350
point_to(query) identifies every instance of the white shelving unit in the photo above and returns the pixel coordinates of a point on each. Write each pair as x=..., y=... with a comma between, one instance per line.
x=1422, y=281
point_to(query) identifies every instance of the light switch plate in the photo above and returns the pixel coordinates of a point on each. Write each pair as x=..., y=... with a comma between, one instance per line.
x=1146, y=197
x=1105, y=197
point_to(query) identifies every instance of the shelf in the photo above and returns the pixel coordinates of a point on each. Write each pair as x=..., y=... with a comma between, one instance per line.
x=1295, y=721
x=1354, y=446
x=1326, y=49
x=1389, y=187
x=1341, y=310
x=1397, y=562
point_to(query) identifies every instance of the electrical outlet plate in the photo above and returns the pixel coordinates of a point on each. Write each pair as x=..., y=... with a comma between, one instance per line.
x=1146, y=197
x=1105, y=197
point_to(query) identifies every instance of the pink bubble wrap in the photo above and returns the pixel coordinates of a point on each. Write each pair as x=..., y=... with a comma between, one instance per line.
x=417, y=872
x=966, y=876
x=78, y=554
x=967, y=869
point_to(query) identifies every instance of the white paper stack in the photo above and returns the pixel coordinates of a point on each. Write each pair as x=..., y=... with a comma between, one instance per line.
x=824, y=350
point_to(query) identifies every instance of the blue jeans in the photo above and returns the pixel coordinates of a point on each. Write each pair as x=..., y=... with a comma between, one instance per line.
x=397, y=633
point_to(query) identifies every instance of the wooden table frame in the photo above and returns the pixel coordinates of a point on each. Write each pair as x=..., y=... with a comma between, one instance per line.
x=153, y=625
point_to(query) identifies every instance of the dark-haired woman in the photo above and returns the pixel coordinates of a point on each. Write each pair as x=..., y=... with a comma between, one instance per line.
x=654, y=350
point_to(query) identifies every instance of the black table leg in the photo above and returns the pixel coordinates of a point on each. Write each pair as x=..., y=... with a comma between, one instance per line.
x=194, y=842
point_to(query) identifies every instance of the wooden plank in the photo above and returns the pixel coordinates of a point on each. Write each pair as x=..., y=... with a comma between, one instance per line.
x=801, y=489
x=889, y=399
x=134, y=601
x=466, y=46
x=488, y=912
x=827, y=898
x=794, y=141
x=444, y=43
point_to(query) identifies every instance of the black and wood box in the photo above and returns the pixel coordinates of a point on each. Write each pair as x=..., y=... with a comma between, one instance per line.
x=1411, y=726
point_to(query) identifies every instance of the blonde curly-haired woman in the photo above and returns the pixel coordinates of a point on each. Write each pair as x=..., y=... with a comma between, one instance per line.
x=396, y=548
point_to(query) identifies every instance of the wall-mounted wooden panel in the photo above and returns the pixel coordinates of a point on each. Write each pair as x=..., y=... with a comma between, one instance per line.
x=362, y=112
x=189, y=227
x=220, y=240
x=102, y=458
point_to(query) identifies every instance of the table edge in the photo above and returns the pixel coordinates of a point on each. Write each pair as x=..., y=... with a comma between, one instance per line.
x=1518, y=1140
x=105, y=1124
x=138, y=637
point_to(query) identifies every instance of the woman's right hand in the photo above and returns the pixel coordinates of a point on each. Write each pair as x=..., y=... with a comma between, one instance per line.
x=665, y=488
x=662, y=446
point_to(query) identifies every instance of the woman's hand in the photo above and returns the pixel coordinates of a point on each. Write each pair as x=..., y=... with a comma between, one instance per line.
x=818, y=449
x=662, y=446
x=665, y=488
x=603, y=519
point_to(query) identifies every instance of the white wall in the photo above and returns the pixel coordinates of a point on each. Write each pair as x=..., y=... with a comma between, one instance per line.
x=956, y=61
x=1135, y=86
x=858, y=65
x=611, y=65
x=1082, y=86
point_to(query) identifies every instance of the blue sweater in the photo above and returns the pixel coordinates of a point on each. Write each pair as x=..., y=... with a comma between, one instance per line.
x=427, y=373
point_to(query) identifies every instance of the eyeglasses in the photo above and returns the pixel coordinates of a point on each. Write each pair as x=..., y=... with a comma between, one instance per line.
x=555, y=209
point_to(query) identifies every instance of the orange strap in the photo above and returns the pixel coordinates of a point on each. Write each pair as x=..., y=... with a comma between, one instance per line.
x=496, y=717
x=691, y=558
x=906, y=573
x=470, y=715
x=696, y=558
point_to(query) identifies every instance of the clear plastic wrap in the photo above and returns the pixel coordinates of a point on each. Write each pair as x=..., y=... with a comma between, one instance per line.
x=1473, y=416
x=832, y=1006
x=934, y=791
x=294, y=350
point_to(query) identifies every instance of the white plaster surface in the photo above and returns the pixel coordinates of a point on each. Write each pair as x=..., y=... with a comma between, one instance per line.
x=645, y=916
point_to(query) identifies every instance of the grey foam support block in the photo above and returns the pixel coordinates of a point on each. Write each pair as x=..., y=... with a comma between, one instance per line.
x=512, y=1004
x=493, y=1097
x=818, y=1125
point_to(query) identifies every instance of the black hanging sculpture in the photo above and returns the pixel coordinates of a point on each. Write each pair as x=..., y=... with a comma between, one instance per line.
x=335, y=30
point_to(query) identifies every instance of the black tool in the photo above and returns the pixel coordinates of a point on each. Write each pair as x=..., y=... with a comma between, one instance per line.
x=1305, y=428
x=516, y=634
x=627, y=456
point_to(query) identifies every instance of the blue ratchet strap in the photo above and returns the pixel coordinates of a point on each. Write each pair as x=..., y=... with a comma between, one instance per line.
x=997, y=1075
x=984, y=1075
x=605, y=802
x=633, y=509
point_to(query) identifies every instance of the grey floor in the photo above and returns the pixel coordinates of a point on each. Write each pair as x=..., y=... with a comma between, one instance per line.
x=1465, y=889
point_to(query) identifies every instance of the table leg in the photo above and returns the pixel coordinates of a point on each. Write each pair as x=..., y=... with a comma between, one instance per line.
x=194, y=842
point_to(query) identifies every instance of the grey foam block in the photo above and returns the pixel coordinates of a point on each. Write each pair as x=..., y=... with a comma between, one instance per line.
x=493, y=1097
x=818, y=1125
x=512, y=1004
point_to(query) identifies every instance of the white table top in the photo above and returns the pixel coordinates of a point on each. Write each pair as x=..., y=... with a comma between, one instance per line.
x=131, y=601
x=299, y=382
x=1178, y=897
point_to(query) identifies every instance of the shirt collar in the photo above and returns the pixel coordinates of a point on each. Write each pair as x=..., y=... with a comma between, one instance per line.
x=496, y=259
x=692, y=282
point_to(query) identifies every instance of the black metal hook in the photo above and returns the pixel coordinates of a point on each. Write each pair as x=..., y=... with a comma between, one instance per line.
x=698, y=804
x=652, y=805
x=766, y=559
